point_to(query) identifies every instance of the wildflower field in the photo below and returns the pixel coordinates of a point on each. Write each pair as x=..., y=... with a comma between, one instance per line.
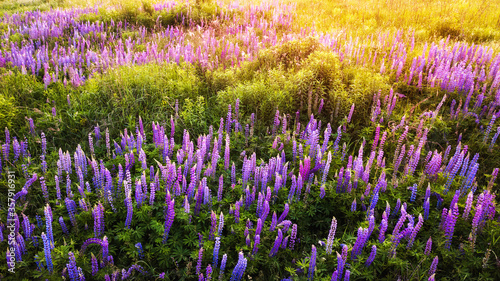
x=252, y=140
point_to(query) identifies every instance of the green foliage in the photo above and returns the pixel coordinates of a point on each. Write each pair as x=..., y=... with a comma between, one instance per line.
x=8, y=111
x=194, y=116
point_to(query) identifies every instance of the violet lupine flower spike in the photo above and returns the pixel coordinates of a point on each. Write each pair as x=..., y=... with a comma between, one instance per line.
x=47, y=246
x=428, y=247
x=331, y=236
x=277, y=243
x=200, y=259
x=433, y=267
x=216, y=251
x=373, y=253
x=451, y=219
x=169, y=219
x=71, y=267
x=312, y=264
x=239, y=269
x=468, y=205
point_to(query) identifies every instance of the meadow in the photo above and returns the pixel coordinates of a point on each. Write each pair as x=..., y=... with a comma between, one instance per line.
x=270, y=140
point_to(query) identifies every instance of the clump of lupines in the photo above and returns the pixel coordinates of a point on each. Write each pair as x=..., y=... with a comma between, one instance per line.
x=360, y=171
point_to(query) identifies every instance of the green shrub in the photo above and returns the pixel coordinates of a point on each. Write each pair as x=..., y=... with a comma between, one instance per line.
x=8, y=111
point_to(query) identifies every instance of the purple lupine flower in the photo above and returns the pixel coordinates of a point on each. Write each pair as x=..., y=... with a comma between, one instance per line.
x=108, y=144
x=293, y=236
x=208, y=273
x=347, y=275
x=494, y=139
x=444, y=215
x=216, y=251
x=98, y=213
x=213, y=225
x=219, y=191
x=226, y=152
x=475, y=223
x=413, y=192
x=488, y=129
x=63, y=225
x=373, y=253
x=312, y=264
x=284, y=214
x=454, y=169
x=258, y=228
x=450, y=225
x=415, y=230
x=239, y=269
x=27, y=228
x=321, y=103
x=360, y=242
x=335, y=276
x=169, y=219
x=32, y=126
x=95, y=266
x=383, y=228
x=277, y=243
x=426, y=208
x=340, y=264
x=237, y=212
x=468, y=205
x=140, y=251
x=91, y=144
x=48, y=224
x=256, y=244
x=47, y=246
x=221, y=224
x=331, y=236
x=44, y=190
x=222, y=266
x=350, y=114
x=428, y=246
x=200, y=240
x=274, y=222
x=247, y=239
x=130, y=207
x=97, y=132
x=71, y=266
x=433, y=267
x=198, y=263
x=353, y=205
x=276, y=122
